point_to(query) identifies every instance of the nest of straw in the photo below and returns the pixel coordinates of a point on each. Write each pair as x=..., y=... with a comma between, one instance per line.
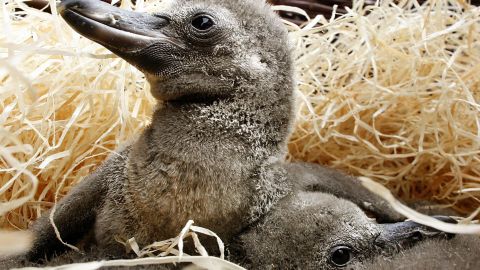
x=392, y=92
x=388, y=91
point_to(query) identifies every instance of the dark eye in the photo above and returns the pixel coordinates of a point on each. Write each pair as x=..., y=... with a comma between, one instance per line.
x=203, y=22
x=340, y=256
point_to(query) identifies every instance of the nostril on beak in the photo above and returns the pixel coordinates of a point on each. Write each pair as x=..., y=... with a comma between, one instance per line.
x=113, y=19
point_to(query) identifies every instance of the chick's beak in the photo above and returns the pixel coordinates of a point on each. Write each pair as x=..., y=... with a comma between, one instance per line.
x=119, y=30
x=407, y=233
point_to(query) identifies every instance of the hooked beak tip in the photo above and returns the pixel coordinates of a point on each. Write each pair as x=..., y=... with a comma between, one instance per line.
x=117, y=29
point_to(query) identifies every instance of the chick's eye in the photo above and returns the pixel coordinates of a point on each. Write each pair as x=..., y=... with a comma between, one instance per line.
x=340, y=256
x=203, y=22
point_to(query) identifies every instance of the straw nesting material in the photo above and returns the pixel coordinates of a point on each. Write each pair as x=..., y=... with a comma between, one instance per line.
x=65, y=102
x=390, y=92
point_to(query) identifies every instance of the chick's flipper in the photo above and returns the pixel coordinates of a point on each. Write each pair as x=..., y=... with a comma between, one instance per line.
x=75, y=214
x=313, y=177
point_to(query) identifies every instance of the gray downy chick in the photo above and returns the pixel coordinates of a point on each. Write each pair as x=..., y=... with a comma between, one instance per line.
x=213, y=152
x=314, y=230
x=223, y=72
x=309, y=179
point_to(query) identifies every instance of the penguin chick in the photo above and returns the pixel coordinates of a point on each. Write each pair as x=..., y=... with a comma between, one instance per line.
x=462, y=252
x=313, y=230
x=223, y=71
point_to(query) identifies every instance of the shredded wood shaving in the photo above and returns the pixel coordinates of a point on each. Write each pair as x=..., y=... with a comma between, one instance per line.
x=392, y=92
x=163, y=249
x=65, y=104
x=413, y=215
x=167, y=247
x=212, y=263
x=13, y=243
